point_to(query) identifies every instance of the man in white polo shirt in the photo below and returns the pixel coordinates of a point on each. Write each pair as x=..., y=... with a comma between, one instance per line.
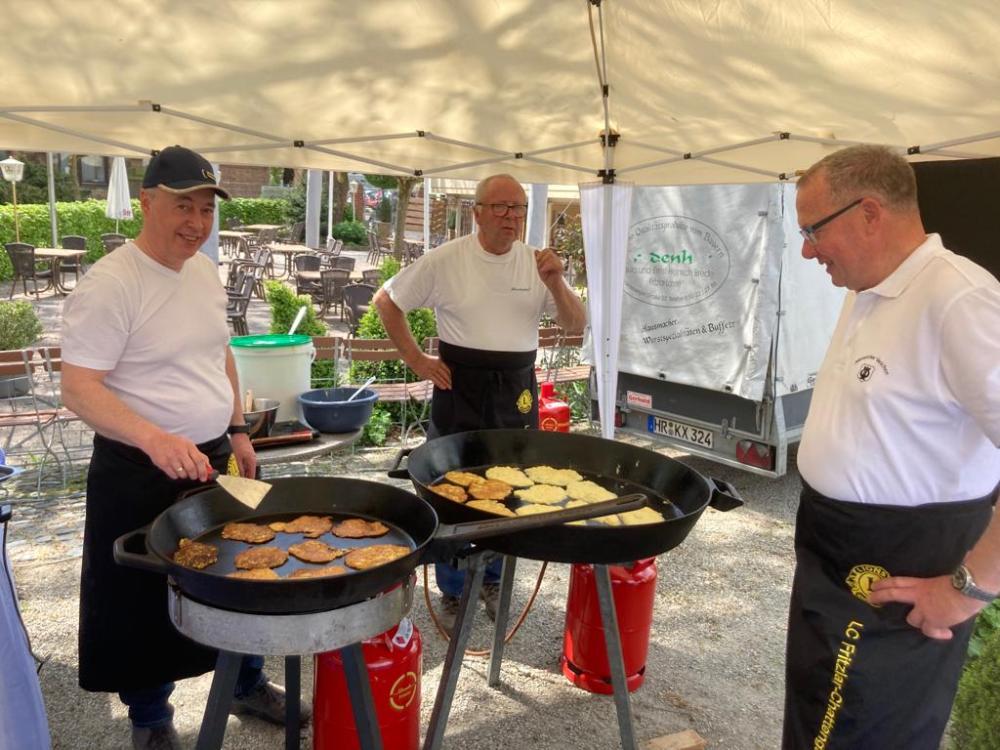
x=488, y=290
x=147, y=365
x=897, y=546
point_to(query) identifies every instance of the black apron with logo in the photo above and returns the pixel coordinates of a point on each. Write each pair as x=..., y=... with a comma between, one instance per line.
x=858, y=676
x=489, y=390
x=127, y=641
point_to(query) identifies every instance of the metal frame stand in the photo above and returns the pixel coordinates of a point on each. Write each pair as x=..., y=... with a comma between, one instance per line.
x=476, y=564
x=235, y=633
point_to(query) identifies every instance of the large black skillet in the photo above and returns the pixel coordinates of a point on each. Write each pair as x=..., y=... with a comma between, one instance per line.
x=622, y=468
x=152, y=548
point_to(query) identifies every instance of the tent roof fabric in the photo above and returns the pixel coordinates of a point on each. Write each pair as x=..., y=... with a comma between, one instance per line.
x=751, y=91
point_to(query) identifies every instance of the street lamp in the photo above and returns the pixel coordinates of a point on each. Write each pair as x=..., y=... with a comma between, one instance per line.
x=354, y=199
x=13, y=171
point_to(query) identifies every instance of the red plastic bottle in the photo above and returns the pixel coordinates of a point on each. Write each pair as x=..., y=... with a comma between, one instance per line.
x=394, y=662
x=553, y=414
x=585, y=658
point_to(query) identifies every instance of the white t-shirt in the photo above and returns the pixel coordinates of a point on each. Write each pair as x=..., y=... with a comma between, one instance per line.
x=160, y=334
x=906, y=408
x=481, y=300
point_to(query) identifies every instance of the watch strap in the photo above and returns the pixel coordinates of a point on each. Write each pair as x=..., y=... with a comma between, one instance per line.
x=971, y=589
x=238, y=429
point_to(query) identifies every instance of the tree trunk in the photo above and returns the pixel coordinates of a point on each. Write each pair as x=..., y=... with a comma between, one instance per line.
x=402, y=204
x=340, y=187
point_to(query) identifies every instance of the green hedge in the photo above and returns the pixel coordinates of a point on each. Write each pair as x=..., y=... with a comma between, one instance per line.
x=976, y=716
x=87, y=218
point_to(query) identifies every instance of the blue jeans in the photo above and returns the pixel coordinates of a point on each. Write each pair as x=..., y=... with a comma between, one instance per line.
x=451, y=580
x=150, y=707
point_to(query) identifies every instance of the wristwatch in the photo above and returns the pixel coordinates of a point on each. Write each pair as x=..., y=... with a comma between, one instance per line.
x=962, y=580
x=238, y=429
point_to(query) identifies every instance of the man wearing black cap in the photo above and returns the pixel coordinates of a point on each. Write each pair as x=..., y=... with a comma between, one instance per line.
x=147, y=366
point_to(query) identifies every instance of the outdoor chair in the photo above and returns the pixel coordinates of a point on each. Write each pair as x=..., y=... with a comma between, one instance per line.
x=328, y=349
x=292, y=233
x=411, y=251
x=559, y=356
x=332, y=283
x=344, y=261
x=357, y=300
x=22, y=259
x=333, y=250
x=236, y=310
x=111, y=241
x=307, y=279
x=371, y=276
x=377, y=250
x=51, y=394
x=73, y=242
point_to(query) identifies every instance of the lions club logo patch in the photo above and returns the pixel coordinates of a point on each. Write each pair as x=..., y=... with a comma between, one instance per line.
x=861, y=578
x=524, y=401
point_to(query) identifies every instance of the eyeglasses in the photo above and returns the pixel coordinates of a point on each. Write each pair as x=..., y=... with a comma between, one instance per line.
x=519, y=210
x=809, y=233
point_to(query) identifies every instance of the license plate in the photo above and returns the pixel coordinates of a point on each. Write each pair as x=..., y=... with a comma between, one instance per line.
x=680, y=431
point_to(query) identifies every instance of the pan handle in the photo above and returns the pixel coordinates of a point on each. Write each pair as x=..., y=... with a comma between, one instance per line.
x=473, y=530
x=724, y=495
x=395, y=472
x=143, y=561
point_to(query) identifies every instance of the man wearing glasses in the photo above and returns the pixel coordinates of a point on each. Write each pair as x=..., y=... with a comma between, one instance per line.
x=896, y=543
x=488, y=290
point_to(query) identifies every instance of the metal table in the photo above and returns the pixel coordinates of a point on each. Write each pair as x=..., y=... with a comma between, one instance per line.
x=325, y=443
x=237, y=633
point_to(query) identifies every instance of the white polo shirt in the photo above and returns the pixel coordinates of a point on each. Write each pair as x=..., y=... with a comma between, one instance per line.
x=481, y=300
x=906, y=408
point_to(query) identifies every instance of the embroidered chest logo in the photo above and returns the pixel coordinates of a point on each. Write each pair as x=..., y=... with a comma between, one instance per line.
x=861, y=578
x=524, y=401
x=869, y=366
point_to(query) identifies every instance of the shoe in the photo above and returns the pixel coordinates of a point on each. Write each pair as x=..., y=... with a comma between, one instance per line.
x=448, y=612
x=490, y=594
x=267, y=702
x=163, y=737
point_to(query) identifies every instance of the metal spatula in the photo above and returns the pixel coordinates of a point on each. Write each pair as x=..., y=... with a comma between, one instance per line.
x=248, y=491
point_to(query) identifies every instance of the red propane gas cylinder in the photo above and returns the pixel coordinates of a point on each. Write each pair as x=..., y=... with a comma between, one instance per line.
x=585, y=657
x=393, y=660
x=553, y=414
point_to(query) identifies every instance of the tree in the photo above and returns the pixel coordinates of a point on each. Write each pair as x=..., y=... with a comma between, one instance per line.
x=403, y=185
x=34, y=186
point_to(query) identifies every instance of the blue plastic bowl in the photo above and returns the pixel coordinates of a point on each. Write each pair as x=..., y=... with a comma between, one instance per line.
x=328, y=410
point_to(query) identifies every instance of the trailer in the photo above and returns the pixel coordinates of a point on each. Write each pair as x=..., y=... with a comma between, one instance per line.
x=724, y=325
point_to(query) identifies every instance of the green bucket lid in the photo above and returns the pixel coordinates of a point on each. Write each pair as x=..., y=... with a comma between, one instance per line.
x=270, y=340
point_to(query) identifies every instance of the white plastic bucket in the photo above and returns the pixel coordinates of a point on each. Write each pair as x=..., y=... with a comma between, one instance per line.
x=275, y=366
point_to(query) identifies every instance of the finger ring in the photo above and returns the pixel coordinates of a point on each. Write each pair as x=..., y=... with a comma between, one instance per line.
x=180, y=469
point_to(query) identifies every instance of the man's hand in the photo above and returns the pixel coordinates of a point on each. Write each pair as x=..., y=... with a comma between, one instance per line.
x=433, y=369
x=937, y=605
x=178, y=457
x=246, y=459
x=550, y=267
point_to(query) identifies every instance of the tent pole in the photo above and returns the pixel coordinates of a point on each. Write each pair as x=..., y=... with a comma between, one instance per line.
x=53, y=220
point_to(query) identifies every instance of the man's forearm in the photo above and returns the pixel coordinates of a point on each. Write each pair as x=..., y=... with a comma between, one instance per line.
x=984, y=558
x=571, y=314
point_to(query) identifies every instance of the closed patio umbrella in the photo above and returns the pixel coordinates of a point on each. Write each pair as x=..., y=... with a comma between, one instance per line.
x=119, y=200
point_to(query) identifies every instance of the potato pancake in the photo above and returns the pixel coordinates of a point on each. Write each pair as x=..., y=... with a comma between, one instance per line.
x=197, y=555
x=532, y=509
x=261, y=557
x=491, y=506
x=330, y=570
x=252, y=533
x=375, y=555
x=509, y=474
x=463, y=478
x=315, y=552
x=255, y=574
x=641, y=516
x=589, y=492
x=548, y=475
x=308, y=526
x=359, y=528
x=490, y=489
x=451, y=491
x=546, y=494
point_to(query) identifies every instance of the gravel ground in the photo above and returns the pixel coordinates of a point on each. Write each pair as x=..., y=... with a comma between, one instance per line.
x=715, y=657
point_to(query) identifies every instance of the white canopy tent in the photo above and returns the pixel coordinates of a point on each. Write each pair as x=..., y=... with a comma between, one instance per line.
x=691, y=91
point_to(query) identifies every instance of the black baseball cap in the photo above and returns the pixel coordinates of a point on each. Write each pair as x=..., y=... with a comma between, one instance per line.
x=180, y=170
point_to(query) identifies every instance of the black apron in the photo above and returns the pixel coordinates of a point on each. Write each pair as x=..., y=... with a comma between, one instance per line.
x=489, y=390
x=127, y=640
x=858, y=676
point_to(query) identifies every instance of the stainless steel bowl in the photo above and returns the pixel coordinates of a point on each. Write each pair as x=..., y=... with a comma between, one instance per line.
x=261, y=419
